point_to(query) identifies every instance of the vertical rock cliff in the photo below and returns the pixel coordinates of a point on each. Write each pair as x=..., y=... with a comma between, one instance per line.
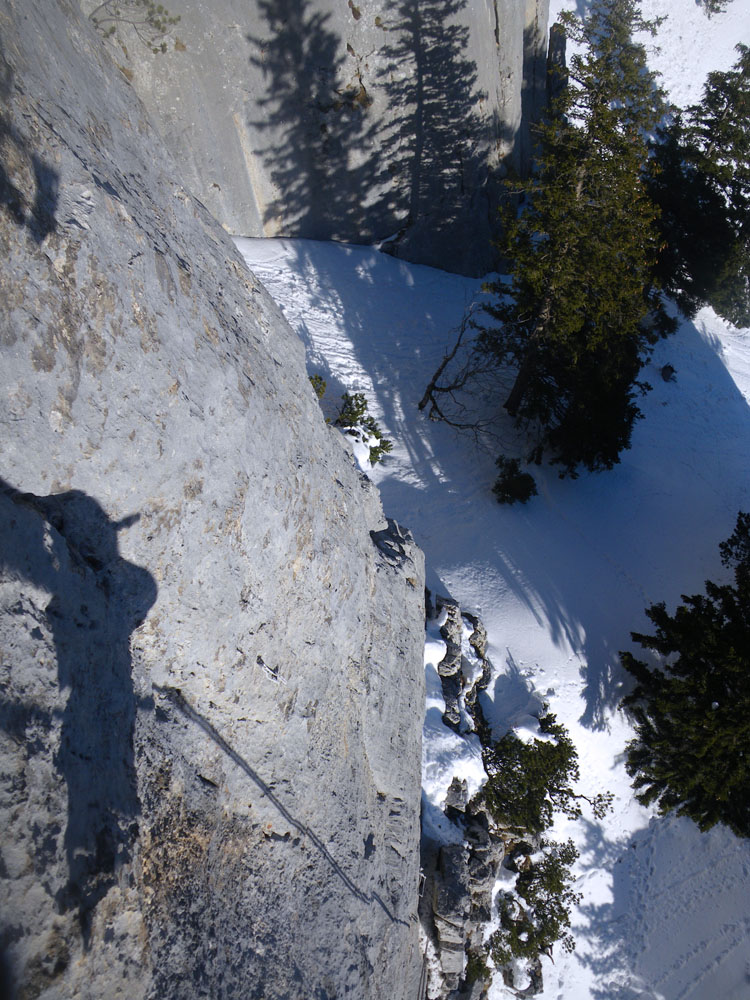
x=328, y=119
x=211, y=684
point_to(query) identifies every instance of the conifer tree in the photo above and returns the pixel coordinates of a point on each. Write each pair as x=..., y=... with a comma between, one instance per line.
x=531, y=927
x=582, y=312
x=528, y=782
x=692, y=715
x=700, y=178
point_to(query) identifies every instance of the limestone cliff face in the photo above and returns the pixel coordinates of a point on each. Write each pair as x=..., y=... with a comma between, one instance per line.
x=330, y=119
x=211, y=683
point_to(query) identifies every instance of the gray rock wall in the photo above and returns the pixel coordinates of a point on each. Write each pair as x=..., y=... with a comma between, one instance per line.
x=211, y=684
x=359, y=122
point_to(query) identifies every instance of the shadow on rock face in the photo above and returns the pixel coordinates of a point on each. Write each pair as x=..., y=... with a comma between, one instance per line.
x=359, y=144
x=66, y=545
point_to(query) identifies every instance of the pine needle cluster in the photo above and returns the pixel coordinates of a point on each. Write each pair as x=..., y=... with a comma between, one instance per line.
x=691, y=752
x=699, y=176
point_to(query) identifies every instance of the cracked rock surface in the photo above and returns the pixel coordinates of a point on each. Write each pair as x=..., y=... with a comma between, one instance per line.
x=211, y=681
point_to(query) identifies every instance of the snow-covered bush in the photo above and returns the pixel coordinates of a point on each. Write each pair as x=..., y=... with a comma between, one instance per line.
x=537, y=914
x=355, y=419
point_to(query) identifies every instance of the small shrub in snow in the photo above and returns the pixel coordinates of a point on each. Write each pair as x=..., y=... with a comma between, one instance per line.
x=537, y=914
x=353, y=409
x=528, y=782
x=512, y=485
x=355, y=418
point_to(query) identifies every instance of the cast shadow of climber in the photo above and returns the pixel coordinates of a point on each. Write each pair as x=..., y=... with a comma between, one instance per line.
x=67, y=545
x=28, y=185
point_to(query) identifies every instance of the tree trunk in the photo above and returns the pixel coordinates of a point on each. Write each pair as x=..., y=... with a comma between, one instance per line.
x=520, y=385
x=523, y=378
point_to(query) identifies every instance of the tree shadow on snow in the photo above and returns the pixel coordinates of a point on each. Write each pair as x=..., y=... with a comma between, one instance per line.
x=673, y=921
x=586, y=557
x=514, y=700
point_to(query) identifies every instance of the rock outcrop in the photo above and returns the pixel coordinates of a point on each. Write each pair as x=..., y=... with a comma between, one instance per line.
x=460, y=877
x=468, y=878
x=465, y=669
x=211, y=684
x=381, y=120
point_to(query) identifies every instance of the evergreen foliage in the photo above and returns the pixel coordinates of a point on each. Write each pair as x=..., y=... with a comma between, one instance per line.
x=583, y=251
x=319, y=385
x=528, y=782
x=692, y=715
x=513, y=485
x=532, y=928
x=700, y=179
x=355, y=418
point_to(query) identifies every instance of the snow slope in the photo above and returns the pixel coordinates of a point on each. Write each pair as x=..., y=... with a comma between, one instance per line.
x=561, y=582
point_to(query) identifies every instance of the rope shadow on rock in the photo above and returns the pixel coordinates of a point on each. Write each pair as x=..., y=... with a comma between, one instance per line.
x=182, y=705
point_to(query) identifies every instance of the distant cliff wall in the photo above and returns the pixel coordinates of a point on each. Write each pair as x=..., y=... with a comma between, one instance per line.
x=211, y=681
x=330, y=119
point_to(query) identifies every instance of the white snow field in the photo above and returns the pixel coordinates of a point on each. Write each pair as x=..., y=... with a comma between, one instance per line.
x=561, y=582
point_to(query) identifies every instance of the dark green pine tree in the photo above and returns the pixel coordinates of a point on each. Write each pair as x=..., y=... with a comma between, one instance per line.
x=692, y=716
x=581, y=312
x=533, y=927
x=700, y=178
x=528, y=782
